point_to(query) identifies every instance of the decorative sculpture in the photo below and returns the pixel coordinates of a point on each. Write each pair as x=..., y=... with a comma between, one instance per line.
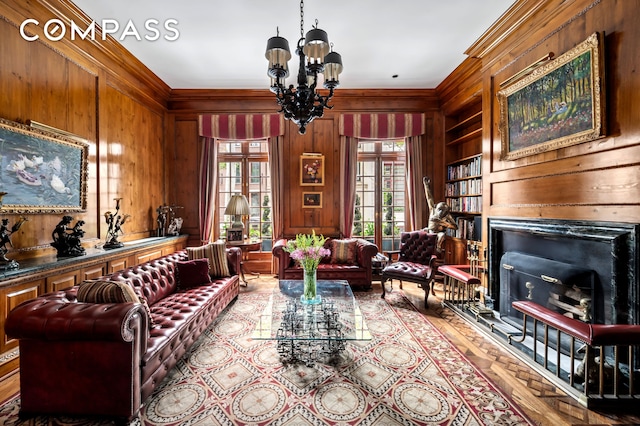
x=162, y=220
x=5, y=238
x=440, y=218
x=67, y=241
x=175, y=223
x=115, y=222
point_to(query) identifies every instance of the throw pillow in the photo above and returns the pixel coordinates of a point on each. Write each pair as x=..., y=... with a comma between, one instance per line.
x=102, y=291
x=192, y=273
x=217, y=256
x=343, y=251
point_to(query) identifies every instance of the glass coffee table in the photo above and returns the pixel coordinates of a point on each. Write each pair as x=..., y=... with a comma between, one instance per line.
x=311, y=332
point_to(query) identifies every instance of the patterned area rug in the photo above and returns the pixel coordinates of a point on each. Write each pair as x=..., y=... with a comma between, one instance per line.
x=408, y=374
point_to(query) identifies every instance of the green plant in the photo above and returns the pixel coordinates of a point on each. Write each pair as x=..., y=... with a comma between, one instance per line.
x=357, y=218
x=388, y=201
x=369, y=229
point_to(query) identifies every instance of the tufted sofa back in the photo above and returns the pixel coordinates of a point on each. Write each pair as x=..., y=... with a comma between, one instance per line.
x=417, y=247
x=155, y=279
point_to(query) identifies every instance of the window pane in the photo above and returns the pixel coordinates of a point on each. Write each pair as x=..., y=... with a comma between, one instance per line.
x=244, y=168
x=380, y=192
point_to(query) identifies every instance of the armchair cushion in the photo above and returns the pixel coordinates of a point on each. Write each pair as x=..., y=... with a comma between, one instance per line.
x=216, y=254
x=343, y=251
x=192, y=273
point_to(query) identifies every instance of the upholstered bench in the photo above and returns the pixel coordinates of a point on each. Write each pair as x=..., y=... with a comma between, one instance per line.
x=459, y=284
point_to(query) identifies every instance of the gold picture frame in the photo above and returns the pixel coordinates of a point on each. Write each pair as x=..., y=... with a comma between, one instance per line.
x=312, y=200
x=312, y=170
x=42, y=171
x=557, y=105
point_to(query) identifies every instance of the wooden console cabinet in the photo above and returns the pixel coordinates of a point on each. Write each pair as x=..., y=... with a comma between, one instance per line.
x=46, y=274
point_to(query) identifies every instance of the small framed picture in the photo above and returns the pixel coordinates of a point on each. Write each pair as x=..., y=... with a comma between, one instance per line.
x=234, y=235
x=312, y=200
x=312, y=170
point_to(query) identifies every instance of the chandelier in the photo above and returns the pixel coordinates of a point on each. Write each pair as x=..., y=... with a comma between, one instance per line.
x=302, y=104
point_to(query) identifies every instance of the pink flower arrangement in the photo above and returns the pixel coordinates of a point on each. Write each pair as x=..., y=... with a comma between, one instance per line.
x=308, y=250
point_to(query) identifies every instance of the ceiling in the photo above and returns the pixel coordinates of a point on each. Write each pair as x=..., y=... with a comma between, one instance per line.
x=221, y=44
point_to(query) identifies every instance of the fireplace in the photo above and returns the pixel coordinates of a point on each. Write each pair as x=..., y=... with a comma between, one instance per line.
x=597, y=261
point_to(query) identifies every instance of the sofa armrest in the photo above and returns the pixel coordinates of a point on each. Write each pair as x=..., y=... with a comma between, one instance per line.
x=365, y=251
x=283, y=256
x=55, y=318
x=234, y=257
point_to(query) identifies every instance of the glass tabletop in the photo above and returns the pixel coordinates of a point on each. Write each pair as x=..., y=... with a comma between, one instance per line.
x=337, y=317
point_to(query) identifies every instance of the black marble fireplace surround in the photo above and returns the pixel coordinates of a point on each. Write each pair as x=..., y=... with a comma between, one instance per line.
x=600, y=258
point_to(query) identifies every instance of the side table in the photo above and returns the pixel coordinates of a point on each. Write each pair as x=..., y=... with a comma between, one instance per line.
x=246, y=246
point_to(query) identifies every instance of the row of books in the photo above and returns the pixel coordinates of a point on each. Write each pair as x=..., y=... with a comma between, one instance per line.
x=460, y=171
x=469, y=228
x=463, y=187
x=465, y=204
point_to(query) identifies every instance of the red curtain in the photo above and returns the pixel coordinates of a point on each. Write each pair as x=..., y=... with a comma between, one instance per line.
x=240, y=126
x=382, y=126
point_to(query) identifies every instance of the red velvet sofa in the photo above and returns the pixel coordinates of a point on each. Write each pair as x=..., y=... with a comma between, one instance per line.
x=358, y=273
x=104, y=359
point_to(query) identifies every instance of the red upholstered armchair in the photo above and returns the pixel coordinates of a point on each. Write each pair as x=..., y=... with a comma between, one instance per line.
x=417, y=261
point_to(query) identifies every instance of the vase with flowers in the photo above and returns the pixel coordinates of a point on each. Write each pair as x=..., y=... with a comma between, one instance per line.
x=308, y=251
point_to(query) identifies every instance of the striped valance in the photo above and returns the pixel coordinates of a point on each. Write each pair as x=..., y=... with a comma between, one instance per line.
x=382, y=126
x=240, y=126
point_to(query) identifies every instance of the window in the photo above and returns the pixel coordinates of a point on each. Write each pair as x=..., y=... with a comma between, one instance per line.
x=380, y=212
x=243, y=167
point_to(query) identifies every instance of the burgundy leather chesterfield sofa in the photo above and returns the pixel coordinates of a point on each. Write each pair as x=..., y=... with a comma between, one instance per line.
x=358, y=273
x=93, y=359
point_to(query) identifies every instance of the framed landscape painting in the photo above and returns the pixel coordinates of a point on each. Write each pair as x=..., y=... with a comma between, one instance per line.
x=559, y=104
x=41, y=172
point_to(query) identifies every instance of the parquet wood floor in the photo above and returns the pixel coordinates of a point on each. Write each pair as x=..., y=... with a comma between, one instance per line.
x=541, y=399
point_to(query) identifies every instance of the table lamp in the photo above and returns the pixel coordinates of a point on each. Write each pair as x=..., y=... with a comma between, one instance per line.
x=238, y=206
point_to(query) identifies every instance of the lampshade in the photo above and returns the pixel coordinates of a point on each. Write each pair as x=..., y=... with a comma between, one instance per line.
x=238, y=206
x=316, y=46
x=278, y=54
x=332, y=70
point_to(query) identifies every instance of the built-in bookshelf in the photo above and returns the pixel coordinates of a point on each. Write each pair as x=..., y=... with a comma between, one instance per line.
x=463, y=179
x=463, y=187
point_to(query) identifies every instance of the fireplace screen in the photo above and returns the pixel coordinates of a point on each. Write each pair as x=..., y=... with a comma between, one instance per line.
x=562, y=287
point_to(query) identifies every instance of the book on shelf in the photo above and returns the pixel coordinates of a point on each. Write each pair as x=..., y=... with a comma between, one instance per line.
x=464, y=170
x=469, y=228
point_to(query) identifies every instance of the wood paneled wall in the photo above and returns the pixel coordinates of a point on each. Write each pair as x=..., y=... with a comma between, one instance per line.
x=95, y=90
x=598, y=180
x=322, y=137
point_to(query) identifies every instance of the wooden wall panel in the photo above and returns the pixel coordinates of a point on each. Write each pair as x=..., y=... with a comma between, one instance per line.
x=322, y=136
x=95, y=90
x=596, y=180
x=184, y=162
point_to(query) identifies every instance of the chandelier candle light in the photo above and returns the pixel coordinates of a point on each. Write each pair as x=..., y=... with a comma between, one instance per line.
x=308, y=251
x=303, y=104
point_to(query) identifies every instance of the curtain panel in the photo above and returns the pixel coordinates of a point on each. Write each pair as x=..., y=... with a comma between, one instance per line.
x=241, y=126
x=352, y=127
x=212, y=127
